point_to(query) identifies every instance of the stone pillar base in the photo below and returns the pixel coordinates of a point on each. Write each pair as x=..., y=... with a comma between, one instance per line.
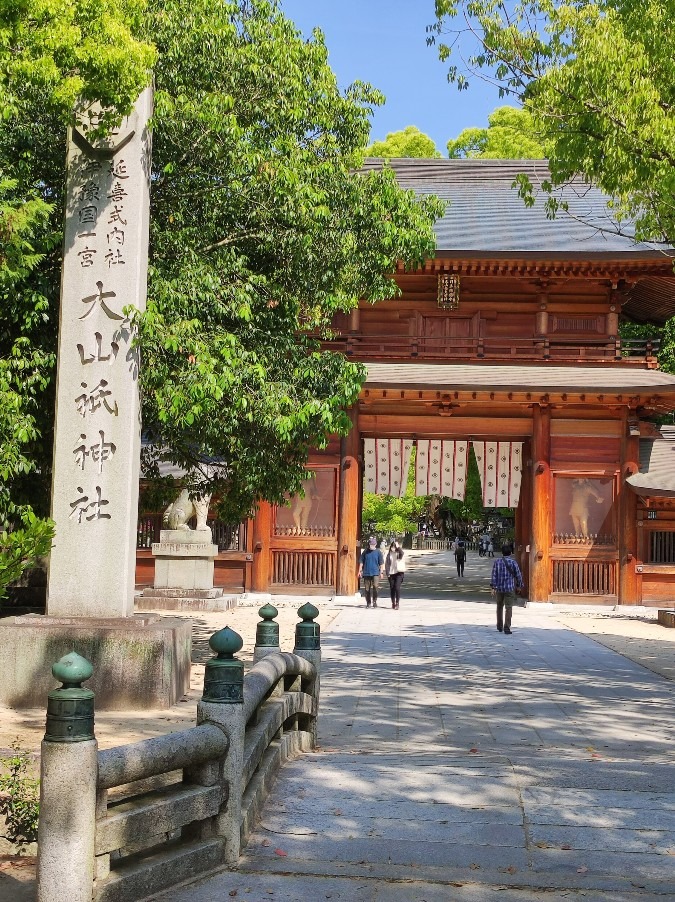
x=184, y=559
x=346, y=599
x=158, y=599
x=253, y=598
x=139, y=662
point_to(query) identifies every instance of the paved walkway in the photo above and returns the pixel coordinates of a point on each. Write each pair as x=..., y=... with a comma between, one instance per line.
x=457, y=763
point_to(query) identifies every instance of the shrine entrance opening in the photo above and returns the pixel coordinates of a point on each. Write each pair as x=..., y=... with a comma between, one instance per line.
x=476, y=480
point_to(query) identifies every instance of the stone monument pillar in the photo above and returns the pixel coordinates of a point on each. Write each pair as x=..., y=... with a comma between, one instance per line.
x=139, y=662
x=97, y=434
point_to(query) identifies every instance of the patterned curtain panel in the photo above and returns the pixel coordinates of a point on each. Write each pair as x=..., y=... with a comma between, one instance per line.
x=500, y=465
x=386, y=464
x=441, y=468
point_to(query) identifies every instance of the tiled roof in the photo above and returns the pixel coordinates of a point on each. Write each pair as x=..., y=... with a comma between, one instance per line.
x=485, y=213
x=516, y=378
x=486, y=218
x=657, y=465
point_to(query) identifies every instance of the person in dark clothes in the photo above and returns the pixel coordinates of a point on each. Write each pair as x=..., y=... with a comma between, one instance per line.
x=460, y=555
x=371, y=568
x=394, y=567
x=506, y=578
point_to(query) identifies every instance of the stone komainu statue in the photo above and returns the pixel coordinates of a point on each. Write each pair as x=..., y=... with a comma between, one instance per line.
x=181, y=510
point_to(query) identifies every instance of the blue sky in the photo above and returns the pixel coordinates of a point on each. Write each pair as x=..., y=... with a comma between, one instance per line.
x=384, y=42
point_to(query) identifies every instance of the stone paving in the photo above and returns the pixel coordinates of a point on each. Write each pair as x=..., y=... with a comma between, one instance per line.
x=457, y=763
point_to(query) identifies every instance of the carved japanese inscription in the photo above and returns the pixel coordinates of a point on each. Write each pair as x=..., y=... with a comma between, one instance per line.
x=97, y=441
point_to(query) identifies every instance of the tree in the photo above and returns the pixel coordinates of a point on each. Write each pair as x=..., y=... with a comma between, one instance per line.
x=386, y=515
x=410, y=142
x=597, y=79
x=261, y=228
x=510, y=135
x=51, y=54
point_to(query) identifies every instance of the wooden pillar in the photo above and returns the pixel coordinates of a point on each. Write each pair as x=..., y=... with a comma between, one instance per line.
x=540, y=577
x=348, y=508
x=627, y=519
x=262, y=558
x=524, y=513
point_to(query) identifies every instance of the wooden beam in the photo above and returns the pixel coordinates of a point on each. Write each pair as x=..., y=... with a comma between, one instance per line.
x=393, y=425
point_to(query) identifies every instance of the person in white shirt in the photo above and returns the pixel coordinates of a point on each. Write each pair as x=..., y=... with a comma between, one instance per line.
x=394, y=567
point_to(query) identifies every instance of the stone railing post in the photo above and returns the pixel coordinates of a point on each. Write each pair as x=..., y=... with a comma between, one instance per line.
x=68, y=775
x=222, y=704
x=308, y=646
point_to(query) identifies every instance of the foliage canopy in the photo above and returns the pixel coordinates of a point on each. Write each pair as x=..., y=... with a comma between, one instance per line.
x=261, y=229
x=409, y=142
x=51, y=54
x=510, y=135
x=596, y=75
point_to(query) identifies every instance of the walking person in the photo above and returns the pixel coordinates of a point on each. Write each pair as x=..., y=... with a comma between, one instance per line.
x=371, y=567
x=506, y=578
x=394, y=567
x=460, y=555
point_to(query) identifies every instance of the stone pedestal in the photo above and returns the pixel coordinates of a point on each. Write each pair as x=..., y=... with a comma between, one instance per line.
x=184, y=559
x=184, y=573
x=139, y=662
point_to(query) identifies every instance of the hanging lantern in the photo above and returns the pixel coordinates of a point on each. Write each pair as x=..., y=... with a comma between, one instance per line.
x=448, y=291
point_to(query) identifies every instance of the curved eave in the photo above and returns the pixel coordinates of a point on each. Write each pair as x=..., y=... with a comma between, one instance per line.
x=651, y=489
x=472, y=377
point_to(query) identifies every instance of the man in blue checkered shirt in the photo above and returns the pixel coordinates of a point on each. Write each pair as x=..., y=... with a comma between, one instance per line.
x=506, y=578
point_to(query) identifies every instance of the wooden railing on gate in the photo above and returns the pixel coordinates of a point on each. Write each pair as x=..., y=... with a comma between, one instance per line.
x=304, y=568
x=553, y=349
x=584, y=577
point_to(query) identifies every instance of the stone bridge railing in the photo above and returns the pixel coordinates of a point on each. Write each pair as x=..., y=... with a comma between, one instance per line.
x=126, y=822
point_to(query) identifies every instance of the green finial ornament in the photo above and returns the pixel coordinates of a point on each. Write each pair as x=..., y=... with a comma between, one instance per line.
x=224, y=674
x=267, y=632
x=71, y=670
x=308, y=633
x=70, y=708
x=226, y=643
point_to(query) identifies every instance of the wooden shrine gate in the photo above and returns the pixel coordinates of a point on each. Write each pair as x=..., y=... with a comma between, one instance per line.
x=511, y=332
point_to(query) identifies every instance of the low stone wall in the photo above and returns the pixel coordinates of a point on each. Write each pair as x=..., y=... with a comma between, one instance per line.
x=139, y=662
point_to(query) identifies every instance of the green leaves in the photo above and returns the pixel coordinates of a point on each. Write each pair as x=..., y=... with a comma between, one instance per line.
x=510, y=135
x=597, y=80
x=410, y=142
x=261, y=231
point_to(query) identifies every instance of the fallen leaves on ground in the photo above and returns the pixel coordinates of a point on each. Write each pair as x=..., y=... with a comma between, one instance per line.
x=509, y=870
x=280, y=853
